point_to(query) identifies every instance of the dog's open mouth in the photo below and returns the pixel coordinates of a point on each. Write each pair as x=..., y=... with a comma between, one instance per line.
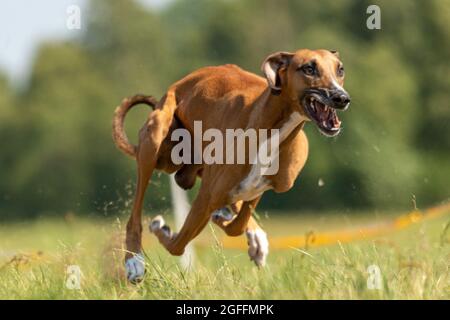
x=322, y=114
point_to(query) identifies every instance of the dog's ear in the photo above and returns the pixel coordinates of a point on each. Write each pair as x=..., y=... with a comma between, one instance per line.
x=271, y=68
x=335, y=52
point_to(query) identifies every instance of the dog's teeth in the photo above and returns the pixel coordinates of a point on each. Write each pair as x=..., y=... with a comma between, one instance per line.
x=324, y=124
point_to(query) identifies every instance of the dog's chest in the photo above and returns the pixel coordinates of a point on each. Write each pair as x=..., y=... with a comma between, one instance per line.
x=256, y=182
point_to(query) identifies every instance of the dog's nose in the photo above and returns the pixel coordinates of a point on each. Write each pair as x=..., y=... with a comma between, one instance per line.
x=340, y=100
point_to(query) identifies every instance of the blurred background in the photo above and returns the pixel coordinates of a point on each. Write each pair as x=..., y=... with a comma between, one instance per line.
x=59, y=88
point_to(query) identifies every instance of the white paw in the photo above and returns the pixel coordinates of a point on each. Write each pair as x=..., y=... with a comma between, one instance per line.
x=156, y=223
x=135, y=268
x=159, y=225
x=258, y=246
x=222, y=214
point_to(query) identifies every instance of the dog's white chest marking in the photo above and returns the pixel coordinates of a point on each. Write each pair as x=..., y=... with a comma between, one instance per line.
x=256, y=183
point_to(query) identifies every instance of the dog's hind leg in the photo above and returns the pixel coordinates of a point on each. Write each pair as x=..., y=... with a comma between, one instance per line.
x=150, y=138
x=195, y=222
x=134, y=260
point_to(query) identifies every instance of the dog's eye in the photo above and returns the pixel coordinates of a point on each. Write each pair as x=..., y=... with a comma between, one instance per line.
x=340, y=71
x=309, y=70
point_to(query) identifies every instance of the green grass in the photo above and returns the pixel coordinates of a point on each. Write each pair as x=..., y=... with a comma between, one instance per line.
x=414, y=263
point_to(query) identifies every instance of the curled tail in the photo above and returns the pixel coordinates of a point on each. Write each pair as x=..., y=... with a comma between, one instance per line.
x=118, y=133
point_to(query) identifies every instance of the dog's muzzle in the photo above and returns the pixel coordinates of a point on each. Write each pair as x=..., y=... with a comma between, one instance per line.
x=321, y=104
x=340, y=100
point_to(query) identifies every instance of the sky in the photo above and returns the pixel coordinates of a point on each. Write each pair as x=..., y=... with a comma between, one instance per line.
x=24, y=24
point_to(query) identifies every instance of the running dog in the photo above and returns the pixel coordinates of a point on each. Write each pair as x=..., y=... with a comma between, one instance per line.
x=298, y=87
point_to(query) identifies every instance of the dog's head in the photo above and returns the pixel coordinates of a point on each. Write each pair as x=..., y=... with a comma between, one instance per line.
x=313, y=81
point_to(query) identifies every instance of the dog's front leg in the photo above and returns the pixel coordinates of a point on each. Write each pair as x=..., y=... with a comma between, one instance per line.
x=235, y=226
x=258, y=244
x=243, y=221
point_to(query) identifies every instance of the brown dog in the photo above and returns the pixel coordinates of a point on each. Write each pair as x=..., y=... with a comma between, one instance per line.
x=298, y=87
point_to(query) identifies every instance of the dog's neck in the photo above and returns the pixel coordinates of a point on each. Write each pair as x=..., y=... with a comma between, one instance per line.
x=272, y=111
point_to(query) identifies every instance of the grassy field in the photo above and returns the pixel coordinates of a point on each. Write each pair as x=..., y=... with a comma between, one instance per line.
x=414, y=262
